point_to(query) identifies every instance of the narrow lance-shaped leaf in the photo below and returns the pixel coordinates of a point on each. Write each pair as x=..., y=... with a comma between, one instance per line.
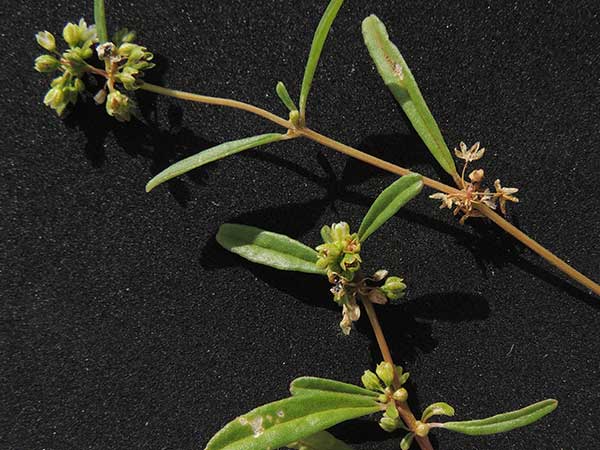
x=504, y=422
x=100, y=20
x=311, y=385
x=394, y=197
x=210, y=155
x=320, y=441
x=279, y=423
x=267, y=248
x=400, y=81
x=315, y=51
x=284, y=96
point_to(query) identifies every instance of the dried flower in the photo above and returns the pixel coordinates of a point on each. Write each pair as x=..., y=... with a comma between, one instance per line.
x=472, y=154
x=504, y=195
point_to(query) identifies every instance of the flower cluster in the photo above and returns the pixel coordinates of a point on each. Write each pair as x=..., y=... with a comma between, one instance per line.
x=340, y=256
x=382, y=381
x=124, y=63
x=472, y=193
x=65, y=88
x=340, y=252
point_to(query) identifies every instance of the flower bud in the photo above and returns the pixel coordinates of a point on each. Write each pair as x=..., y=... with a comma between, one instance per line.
x=46, y=63
x=385, y=371
x=388, y=424
x=55, y=99
x=46, y=40
x=72, y=34
x=370, y=381
x=394, y=288
x=391, y=411
x=100, y=96
x=476, y=176
x=118, y=105
x=421, y=429
x=401, y=395
x=339, y=231
x=380, y=275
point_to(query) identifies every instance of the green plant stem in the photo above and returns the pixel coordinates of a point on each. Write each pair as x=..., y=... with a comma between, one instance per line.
x=403, y=408
x=387, y=166
x=100, y=21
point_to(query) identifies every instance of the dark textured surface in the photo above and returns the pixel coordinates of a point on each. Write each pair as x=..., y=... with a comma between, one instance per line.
x=126, y=326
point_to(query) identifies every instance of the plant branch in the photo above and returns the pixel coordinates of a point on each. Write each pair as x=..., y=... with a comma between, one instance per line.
x=403, y=407
x=217, y=101
x=382, y=164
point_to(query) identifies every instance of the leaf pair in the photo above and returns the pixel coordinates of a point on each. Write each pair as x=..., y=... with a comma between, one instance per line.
x=284, y=253
x=316, y=404
x=232, y=147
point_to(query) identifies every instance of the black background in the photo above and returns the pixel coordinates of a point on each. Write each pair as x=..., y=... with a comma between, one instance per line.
x=126, y=326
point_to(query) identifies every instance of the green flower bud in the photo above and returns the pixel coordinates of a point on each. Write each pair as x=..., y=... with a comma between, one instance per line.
x=404, y=378
x=46, y=40
x=76, y=64
x=370, y=381
x=70, y=93
x=126, y=49
x=385, y=371
x=350, y=262
x=394, y=288
x=339, y=231
x=46, y=63
x=79, y=85
x=391, y=411
x=72, y=34
x=326, y=233
x=87, y=33
x=388, y=424
x=401, y=395
x=53, y=97
x=124, y=35
x=119, y=106
x=421, y=429
x=128, y=81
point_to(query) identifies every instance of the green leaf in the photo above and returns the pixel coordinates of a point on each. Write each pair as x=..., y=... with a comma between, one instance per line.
x=210, y=155
x=277, y=424
x=394, y=197
x=100, y=20
x=406, y=441
x=504, y=422
x=284, y=96
x=308, y=385
x=437, y=409
x=315, y=51
x=320, y=441
x=400, y=81
x=271, y=249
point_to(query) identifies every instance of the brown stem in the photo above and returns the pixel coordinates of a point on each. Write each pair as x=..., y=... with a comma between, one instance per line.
x=217, y=101
x=372, y=160
x=533, y=245
x=382, y=164
x=487, y=212
x=403, y=409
